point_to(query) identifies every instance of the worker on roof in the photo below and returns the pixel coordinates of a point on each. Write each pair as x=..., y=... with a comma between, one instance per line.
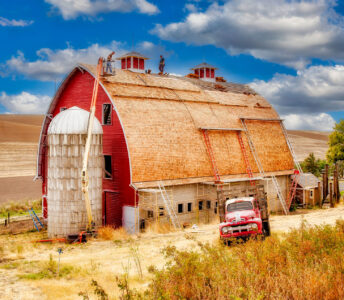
x=161, y=64
x=108, y=63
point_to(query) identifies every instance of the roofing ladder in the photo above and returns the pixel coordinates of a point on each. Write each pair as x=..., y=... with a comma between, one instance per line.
x=247, y=162
x=261, y=170
x=169, y=206
x=211, y=155
x=297, y=164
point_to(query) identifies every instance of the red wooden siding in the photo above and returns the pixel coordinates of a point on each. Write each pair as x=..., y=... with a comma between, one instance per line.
x=142, y=64
x=78, y=92
x=201, y=73
x=123, y=63
x=212, y=73
x=135, y=63
x=113, y=209
x=128, y=62
x=197, y=71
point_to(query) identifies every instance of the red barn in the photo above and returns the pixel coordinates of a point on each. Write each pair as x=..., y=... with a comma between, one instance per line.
x=155, y=157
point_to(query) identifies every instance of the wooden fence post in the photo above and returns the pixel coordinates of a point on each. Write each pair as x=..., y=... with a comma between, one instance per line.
x=331, y=196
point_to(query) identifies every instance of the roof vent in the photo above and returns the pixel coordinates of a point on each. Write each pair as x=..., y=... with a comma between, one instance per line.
x=205, y=72
x=133, y=61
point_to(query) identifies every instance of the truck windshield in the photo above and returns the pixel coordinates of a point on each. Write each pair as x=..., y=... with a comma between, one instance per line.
x=243, y=205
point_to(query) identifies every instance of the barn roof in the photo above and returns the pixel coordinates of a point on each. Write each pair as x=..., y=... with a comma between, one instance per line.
x=204, y=65
x=133, y=53
x=162, y=116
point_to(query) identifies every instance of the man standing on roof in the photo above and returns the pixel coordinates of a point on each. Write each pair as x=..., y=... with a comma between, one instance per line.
x=161, y=64
x=108, y=63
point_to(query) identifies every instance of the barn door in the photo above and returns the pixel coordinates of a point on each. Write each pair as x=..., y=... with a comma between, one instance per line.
x=113, y=209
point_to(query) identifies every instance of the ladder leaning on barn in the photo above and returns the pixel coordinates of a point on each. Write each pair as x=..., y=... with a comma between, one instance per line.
x=260, y=166
x=169, y=206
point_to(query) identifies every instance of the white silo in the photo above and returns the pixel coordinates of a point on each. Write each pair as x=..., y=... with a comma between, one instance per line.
x=67, y=134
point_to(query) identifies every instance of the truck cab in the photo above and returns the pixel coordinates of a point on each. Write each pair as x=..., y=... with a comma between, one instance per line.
x=243, y=218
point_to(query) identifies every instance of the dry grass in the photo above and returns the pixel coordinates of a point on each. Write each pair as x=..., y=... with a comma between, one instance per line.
x=157, y=227
x=108, y=233
x=306, y=263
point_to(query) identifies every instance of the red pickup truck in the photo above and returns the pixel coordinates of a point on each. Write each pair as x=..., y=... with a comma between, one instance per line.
x=244, y=217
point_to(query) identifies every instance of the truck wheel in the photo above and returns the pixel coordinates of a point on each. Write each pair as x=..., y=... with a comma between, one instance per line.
x=266, y=229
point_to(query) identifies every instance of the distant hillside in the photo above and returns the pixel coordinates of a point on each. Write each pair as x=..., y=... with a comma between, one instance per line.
x=20, y=128
x=305, y=142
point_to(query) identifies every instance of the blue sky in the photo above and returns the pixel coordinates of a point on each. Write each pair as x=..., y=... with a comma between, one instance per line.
x=291, y=52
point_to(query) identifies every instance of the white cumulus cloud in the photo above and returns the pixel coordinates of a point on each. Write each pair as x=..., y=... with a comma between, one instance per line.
x=71, y=9
x=52, y=64
x=314, y=90
x=303, y=99
x=14, y=23
x=281, y=31
x=25, y=103
x=318, y=122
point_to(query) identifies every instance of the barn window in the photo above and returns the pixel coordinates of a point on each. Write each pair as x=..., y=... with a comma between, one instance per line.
x=200, y=205
x=180, y=208
x=208, y=204
x=189, y=206
x=215, y=208
x=108, y=166
x=63, y=108
x=311, y=193
x=161, y=211
x=107, y=114
x=150, y=214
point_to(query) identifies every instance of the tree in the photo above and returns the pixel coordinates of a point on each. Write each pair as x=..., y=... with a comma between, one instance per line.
x=336, y=143
x=313, y=165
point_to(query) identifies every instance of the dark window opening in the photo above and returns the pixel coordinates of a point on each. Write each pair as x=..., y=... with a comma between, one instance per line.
x=189, y=206
x=215, y=208
x=108, y=166
x=208, y=204
x=180, y=208
x=150, y=214
x=63, y=108
x=161, y=211
x=200, y=205
x=107, y=114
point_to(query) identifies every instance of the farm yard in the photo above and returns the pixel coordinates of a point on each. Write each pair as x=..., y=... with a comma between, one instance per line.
x=29, y=270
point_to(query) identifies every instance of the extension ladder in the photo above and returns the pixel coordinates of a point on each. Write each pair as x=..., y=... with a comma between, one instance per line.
x=211, y=156
x=297, y=164
x=261, y=170
x=247, y=162
x=292, y=191
x=35, y=219
x=169, y=206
